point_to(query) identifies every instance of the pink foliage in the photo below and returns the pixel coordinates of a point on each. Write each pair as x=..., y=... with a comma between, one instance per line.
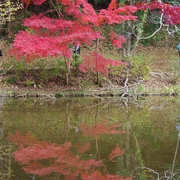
x=113, y=5
x=54, y=37
x=116, y=16
x=82, y=149
x=116, y=152
x=36, y=2
x=117, y=40
x=171, y=12
x=42, y=158
x=60, y=159
x=38, y=22
x=100, y=128
x=34, y=46
x=96, y=175
x=22, y=140
x=95, y=62
x=79, y=8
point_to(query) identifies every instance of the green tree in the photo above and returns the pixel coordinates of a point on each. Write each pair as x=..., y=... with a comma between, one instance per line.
x=8, y=11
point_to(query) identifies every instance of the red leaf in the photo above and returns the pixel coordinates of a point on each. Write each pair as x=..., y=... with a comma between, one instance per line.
x=117, y=40
x=95, y=62
x=36, y=2
x=113, y=5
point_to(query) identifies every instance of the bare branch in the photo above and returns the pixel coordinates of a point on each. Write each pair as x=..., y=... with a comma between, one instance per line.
x=161, y=25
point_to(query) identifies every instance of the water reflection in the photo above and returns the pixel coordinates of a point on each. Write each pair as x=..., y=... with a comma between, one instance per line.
x=69, y=160
x=90, y=138
x=5, y=149
x=170, y=174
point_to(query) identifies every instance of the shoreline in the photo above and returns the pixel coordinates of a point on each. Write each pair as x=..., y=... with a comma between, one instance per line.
x=80, y=93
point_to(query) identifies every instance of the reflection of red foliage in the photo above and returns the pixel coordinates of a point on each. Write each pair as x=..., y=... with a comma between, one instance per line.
x=58, y=157
x=82, y=149
x=18, y=139
x=100, y=128
x=40, y=158
x=116, y=152
x=97, y=175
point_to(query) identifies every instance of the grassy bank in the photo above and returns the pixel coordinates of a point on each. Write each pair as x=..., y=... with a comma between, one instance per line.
x=153, y=71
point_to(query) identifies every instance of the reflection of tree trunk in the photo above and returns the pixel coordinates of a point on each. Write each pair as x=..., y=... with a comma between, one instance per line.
x=96, y=118
x=172, y=171
x=66, y=124
x=128, y=144
x=97, y=113
x=67, y=121
x=9, y=164
x=97, y=149
x=138, y=149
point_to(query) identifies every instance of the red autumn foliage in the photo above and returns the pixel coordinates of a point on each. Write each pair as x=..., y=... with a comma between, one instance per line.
x=117, y=40
x=95, y=62
x=43, y=46
x=38, y=46
x=171, y=12
x=40, y=21
x=116, y=152
x=113, y=5
x=117, y=16
x=79, y=9
x=36, y=2
x=98, y=129
x=52, y=37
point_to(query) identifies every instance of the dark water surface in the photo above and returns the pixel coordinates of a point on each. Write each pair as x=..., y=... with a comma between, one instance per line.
x=89, y=138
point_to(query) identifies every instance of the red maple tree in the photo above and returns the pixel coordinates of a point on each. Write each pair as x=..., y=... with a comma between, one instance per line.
x=96, y=62
x=55, y=37
x=171, y=13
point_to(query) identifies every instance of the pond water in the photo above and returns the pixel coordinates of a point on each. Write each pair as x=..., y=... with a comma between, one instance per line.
x=89, y=138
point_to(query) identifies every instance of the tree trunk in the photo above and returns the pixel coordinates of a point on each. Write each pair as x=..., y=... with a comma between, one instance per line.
x=98, y=74
x=67, y=63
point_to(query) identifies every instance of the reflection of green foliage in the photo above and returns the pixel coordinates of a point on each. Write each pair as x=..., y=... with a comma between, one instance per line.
x=5, y=165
